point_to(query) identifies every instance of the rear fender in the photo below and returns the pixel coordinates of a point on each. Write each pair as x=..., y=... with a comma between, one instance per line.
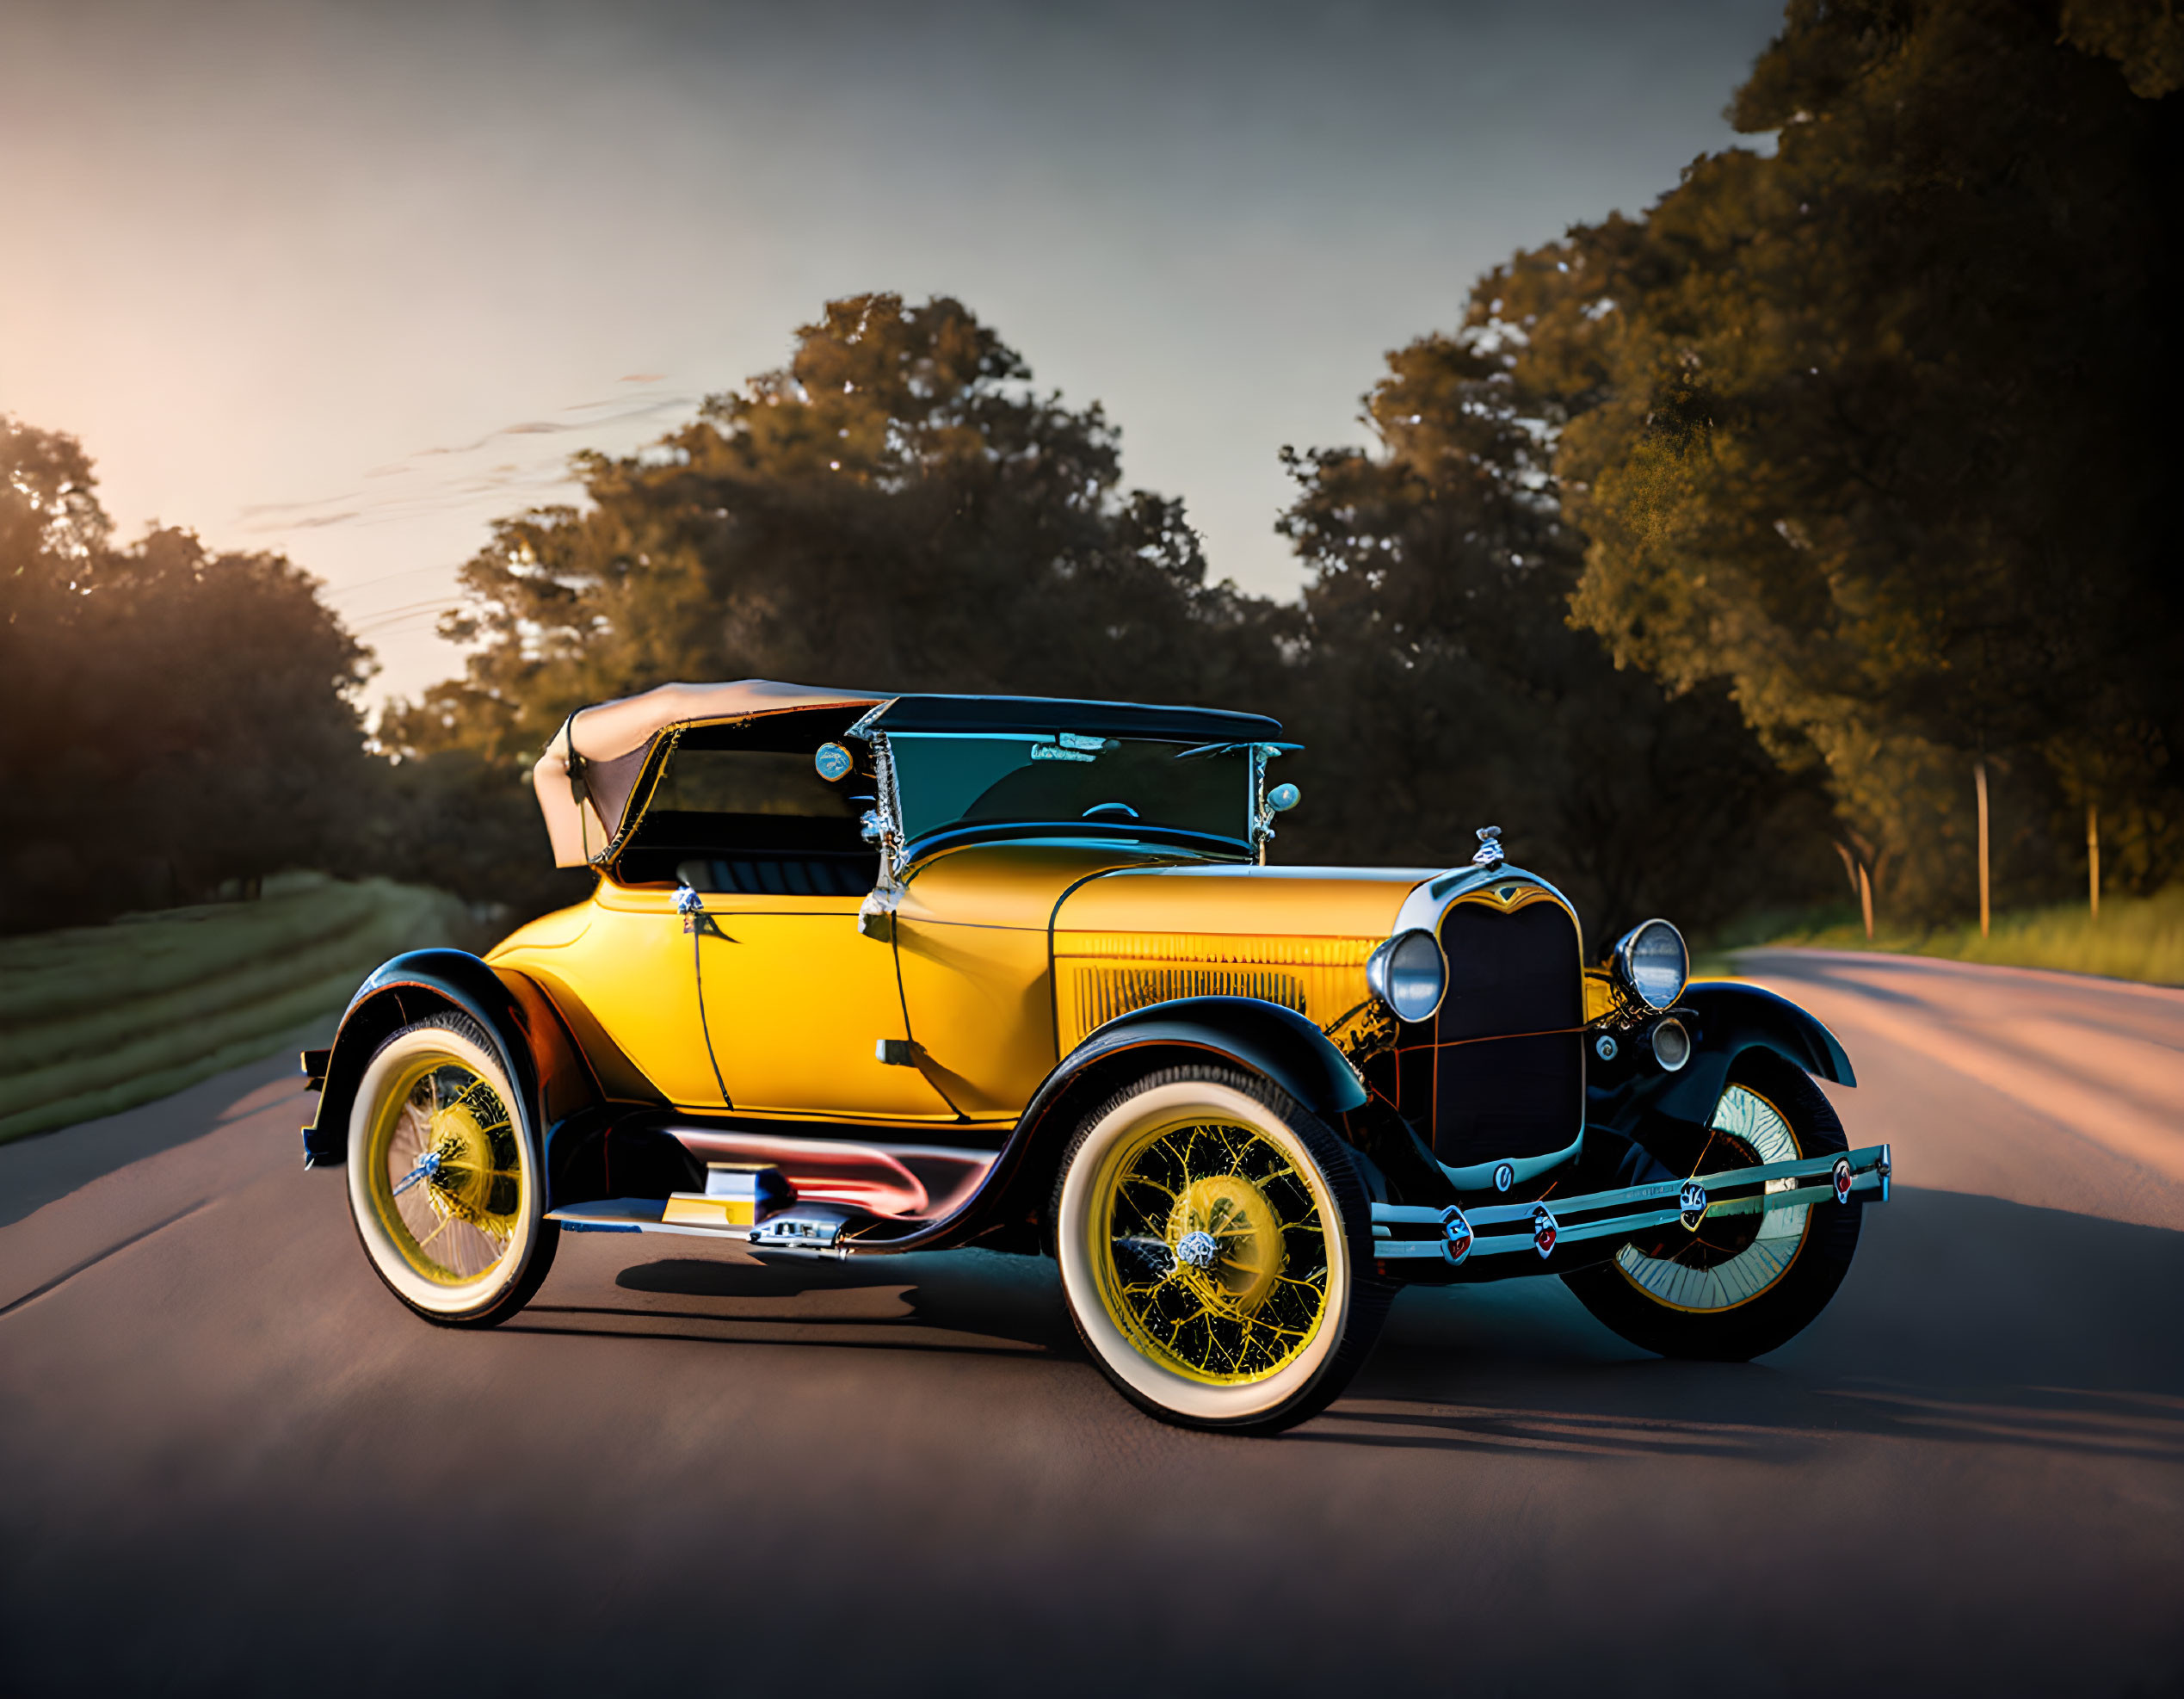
x=1726, y=1019
x=550, y=1076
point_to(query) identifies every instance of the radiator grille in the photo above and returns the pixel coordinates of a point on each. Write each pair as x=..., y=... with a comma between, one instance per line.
x=1500, y=1071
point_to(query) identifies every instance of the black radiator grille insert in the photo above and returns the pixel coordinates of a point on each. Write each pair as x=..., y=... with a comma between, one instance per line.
x=1500, y=1071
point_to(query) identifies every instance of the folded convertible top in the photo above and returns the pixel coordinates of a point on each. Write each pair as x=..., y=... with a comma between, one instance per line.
x=584, y=779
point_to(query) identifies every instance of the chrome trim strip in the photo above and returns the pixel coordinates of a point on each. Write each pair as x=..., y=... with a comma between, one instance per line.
x=1429, y=899
x=1871, y=1170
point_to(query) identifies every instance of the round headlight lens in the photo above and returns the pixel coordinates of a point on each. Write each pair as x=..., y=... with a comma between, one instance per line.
x=1653, y=963
x=1409, y=974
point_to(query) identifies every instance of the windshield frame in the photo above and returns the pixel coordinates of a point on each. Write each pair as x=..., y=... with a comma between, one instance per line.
x=899, y=849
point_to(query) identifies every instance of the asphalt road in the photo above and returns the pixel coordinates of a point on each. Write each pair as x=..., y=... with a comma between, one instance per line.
x=229, y=1461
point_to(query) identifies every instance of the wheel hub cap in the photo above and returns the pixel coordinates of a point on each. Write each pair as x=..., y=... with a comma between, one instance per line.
x=1228, y=1240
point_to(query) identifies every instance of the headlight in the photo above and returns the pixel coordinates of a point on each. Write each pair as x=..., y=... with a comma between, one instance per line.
x=1671, y=1045
x=1653, y=963
x=1408, y=975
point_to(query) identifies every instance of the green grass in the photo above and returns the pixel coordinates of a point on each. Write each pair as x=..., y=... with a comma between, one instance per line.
x=97, y=1019
x=2135, y=938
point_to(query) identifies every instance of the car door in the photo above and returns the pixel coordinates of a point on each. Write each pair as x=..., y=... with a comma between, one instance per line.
x=797, y=1003
x=793, y=1002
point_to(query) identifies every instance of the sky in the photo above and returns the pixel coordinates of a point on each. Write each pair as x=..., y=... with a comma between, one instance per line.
x=349, y=281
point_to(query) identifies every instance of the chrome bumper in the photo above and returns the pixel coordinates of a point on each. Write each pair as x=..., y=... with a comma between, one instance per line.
x=1458, y=1234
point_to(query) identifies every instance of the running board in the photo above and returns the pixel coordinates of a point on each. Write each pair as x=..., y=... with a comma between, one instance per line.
x=1861, y=1174
x=800, y=1227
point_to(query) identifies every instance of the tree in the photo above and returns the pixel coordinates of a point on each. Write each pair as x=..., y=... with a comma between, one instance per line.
x=896, y=508
x=1874, y=427
x=1447, y=690
x=170, y=717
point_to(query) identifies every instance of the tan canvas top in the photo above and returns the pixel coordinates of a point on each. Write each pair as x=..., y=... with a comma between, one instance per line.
x=612, y=738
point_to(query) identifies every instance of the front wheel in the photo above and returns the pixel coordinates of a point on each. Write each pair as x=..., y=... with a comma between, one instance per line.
x=443, y=1185
x=1215, y=1246
x=1740, y=1285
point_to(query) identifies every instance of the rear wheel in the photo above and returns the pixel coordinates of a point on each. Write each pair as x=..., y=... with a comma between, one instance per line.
x=443, y=1186
x=1215, y=1248
x=1741, y=1285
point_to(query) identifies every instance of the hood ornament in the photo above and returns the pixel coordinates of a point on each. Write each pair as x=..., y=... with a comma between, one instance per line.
x=1490, y=853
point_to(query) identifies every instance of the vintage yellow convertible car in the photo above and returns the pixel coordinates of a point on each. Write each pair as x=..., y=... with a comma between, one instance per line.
x=868, y=974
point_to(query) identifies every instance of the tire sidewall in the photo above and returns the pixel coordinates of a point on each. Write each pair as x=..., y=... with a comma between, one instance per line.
x=1153, y=1385
x=487, y=1298
x=1773, y=1318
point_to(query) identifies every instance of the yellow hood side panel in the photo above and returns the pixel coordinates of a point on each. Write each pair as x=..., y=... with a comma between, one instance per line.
x=1298, y=937
x=1100, y=975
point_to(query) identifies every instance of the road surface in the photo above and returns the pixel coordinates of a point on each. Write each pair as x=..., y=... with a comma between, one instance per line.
x=230, y=1461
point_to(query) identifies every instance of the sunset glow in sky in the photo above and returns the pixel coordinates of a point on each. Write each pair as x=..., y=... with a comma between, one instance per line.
x=348, y=281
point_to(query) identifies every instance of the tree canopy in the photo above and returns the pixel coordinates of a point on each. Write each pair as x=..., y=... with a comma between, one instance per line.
x=1448, y=689
x=1709, y=538
x=1872, y=427
x=170, y=717
x=896, y=507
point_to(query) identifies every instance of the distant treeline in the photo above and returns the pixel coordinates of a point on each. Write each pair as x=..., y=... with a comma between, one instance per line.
x=1705, y=556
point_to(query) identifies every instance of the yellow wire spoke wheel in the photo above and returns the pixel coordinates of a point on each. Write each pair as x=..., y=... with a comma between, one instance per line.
x=1211, y=1236
x=442, y=1185
x=447, y=1178
x=1215, y=1256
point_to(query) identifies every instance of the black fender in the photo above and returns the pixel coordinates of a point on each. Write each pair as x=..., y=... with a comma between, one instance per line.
x=1266, y=1038
x=551, y=1077
x=1726, y=1019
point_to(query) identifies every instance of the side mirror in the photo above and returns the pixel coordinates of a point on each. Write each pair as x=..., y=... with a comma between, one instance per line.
x=1282, y=798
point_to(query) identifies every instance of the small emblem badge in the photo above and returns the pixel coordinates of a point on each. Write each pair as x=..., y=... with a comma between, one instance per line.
x=1604, y=1047
x=1489, y=853
x=1691, y=1205
x=833, y=761
x=1456, y=1235
x=1842, y=1178
x=1545, y=1230
x=1504, y=1175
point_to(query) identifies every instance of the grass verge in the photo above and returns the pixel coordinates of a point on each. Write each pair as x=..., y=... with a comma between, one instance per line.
x=98, y=1019
x=2136, y=938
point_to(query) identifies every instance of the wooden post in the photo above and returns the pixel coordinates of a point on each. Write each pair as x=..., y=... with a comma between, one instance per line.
x=1979, y=783
x=1866, y=900
x=2093, y=855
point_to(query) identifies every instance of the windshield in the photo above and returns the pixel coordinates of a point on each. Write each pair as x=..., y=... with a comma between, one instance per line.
x=950, y=779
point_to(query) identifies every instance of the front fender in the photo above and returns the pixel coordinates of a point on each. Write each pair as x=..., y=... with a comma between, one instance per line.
x=1266, y=1038
x=549, y=1075
x=1728, y=1019
x=1278, y=1044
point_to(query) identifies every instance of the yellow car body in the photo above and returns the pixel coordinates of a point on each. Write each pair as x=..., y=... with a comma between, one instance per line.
x=862, y=974
x=1001, y=961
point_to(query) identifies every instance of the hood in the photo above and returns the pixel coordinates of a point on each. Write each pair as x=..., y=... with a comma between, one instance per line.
x=1299, y=936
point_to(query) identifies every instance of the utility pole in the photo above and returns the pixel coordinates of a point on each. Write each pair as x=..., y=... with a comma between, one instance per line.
x=2093, y=855
x=1979, y=783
